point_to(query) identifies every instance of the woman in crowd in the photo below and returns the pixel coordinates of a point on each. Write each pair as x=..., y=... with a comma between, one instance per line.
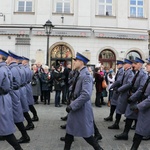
x=35, y=84
x=98, y=85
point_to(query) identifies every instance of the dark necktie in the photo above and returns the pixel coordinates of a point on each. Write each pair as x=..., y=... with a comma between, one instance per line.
x=134, y=79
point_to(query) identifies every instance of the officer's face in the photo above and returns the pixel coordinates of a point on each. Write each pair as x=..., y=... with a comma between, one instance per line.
x=137, y=66
x=126, y=66
x=148, y=67
x=78, y=64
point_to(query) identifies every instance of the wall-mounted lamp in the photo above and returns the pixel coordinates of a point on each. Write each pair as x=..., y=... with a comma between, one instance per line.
x=122, y=51
x=62, y=19
x=2, y=15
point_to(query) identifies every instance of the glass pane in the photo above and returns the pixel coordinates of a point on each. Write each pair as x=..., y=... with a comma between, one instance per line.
x=67, y=7
x=59, y=7
x=108, y=10
x=101, y=1
x=21, y=6
x=107, y=55
x=109, y=1
x=132, y=2
x=101, y=10
x=132, y=55
x=29, y=6
x=133, y=11
x=140, y=2
x=140, y=12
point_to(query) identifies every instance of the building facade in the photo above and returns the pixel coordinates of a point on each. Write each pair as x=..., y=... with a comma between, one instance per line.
x=103, y=30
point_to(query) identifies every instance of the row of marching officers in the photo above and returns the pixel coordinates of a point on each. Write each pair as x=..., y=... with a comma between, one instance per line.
x=15, y=98
x=131, y=97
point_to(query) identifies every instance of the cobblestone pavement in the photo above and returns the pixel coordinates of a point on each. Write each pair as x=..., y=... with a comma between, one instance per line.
x=47, y=131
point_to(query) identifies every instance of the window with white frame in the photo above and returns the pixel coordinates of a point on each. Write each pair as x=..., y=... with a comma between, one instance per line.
x=63, y=6
x=136, y=8
x=105, y=7
x=25, y=6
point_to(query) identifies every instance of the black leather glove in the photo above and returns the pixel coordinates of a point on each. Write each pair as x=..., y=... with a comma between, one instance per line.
x=129, y=101
x=134, y=108
x=68, y=109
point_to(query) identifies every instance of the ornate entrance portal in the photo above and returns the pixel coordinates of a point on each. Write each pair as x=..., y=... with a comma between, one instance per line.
x=59, y=54
x=107, y=58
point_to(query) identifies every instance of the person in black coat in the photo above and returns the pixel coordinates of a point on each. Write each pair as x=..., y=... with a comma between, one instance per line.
x=58, y=77
x=46, y=79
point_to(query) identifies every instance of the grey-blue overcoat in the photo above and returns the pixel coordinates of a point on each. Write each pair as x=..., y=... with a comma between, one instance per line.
x=124, y=91
x=80, y=119
x=116, y=85
x=6, y=113
x=15, y=94
x=28, y=86
x=143, y=123
x=137, y=87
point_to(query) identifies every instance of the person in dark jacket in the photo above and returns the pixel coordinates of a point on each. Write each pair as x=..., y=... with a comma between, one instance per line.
x=98, y=86
x=46, y=79
x=58, y=84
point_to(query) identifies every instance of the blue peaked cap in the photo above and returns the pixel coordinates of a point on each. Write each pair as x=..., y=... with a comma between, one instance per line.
x=82, y=58
x=148, y=60
x=3, y=53
x=12, y=54
x=139, y=60
x=119, y=62
x=127, y=61
x=25, y=58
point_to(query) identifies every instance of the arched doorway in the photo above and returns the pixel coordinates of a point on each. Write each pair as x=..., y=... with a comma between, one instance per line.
x=107, y=58
x=61, y=53
x=132, y=54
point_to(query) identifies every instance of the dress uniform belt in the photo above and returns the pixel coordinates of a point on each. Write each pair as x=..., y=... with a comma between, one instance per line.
x=22, y=85
x=3, y=92
x=15, y=88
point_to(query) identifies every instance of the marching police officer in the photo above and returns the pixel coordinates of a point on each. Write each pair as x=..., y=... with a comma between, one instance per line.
x=80, y=107
x=143, y=110
x=138, y=82
x=28, y=75
x=6, y=111
x=124, y=94
x=17, y=100
x=17, y=76
x=115, y=86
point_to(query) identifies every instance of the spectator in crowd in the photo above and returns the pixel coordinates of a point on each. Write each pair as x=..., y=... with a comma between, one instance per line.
x=47, y=82
x=36, y=86
x=58, y=84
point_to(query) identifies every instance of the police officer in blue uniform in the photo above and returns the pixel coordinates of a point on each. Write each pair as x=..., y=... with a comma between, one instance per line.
x=124, y=93
x=28, y=74
x=143, y=110
x=18, y=103
x=138, y=82
x=7, y=128
x=115, y=86
x=80, y=117
x=23, y=97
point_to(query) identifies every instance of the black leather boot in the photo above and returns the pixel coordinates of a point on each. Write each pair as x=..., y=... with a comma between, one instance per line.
x=64, y=118
x=114, y=126
x=97, y=134
x=2, y=138
x=136, y=141
x=122, y=136
x=63, y=126
x=11, y=139
x=30, y=126
x=24, y=139
x=35, y=118
x=109, y=118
